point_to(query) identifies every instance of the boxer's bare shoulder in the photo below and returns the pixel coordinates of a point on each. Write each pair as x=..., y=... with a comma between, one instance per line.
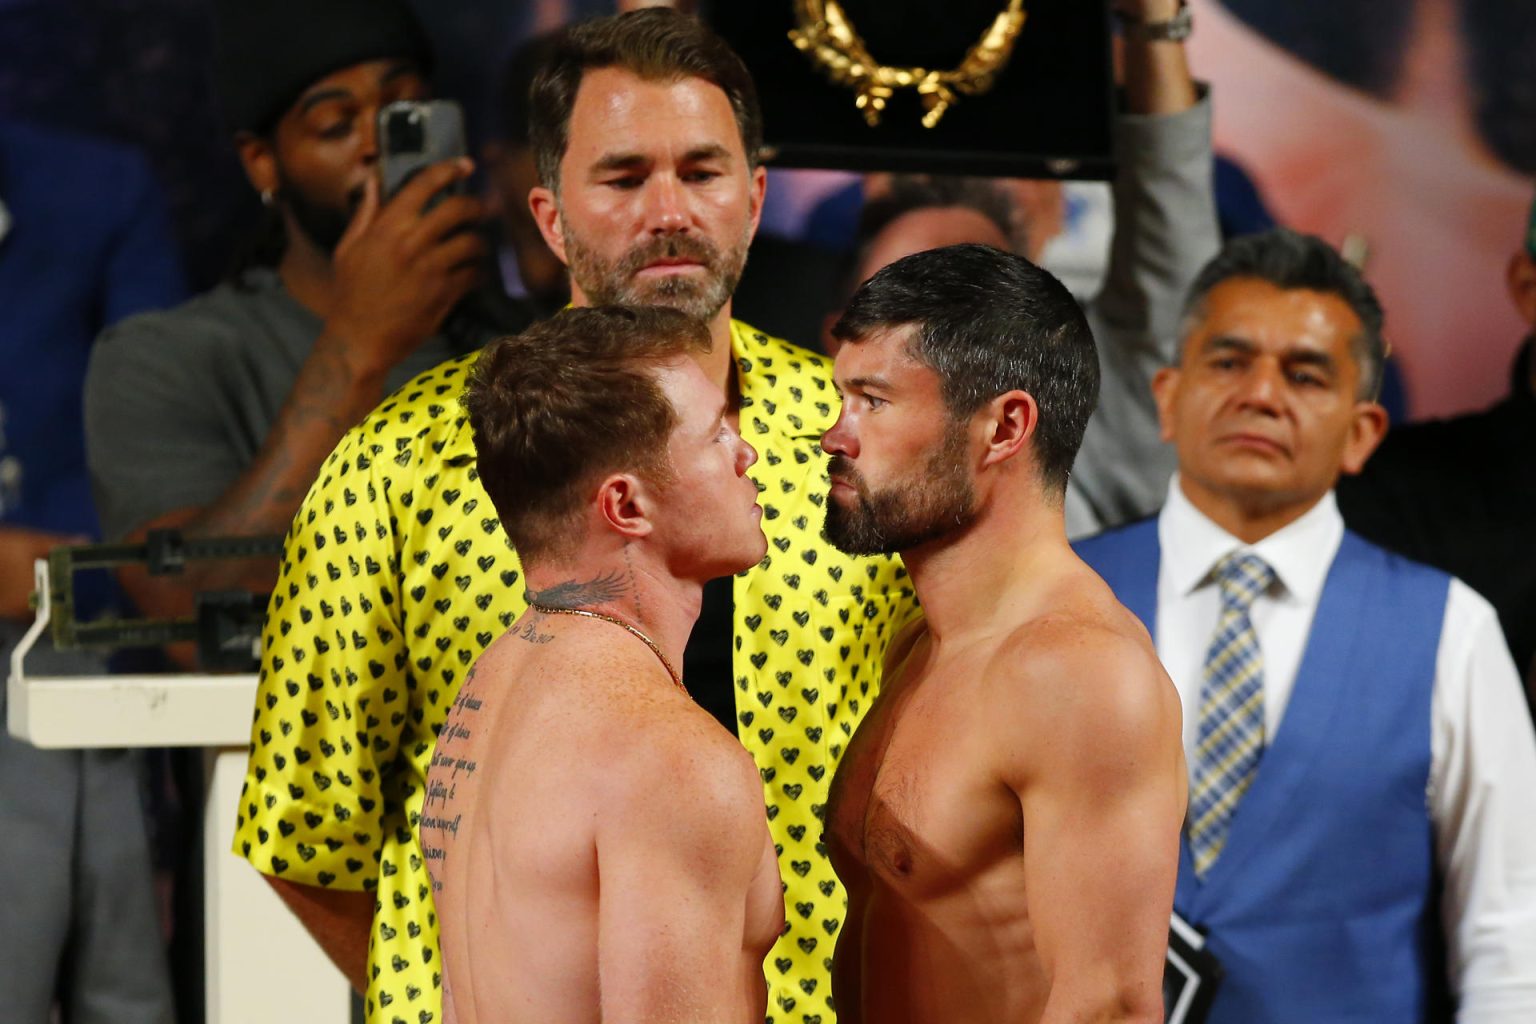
x=683, y=851
x=1066, y=679
x=610, y=814
x=1083, y=663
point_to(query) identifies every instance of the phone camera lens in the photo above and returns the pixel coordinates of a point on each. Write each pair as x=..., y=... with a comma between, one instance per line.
x=405, y=131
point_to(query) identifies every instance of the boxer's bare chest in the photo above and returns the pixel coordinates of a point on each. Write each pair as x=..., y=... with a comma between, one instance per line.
x=916, y=802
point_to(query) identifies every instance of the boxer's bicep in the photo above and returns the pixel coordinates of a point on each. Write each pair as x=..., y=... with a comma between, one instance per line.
x=676, y=859
x=1102, y=800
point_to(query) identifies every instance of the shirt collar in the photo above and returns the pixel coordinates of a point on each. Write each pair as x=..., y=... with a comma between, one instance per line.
x=741, y=338
x=1300, y=553
x=747, y=352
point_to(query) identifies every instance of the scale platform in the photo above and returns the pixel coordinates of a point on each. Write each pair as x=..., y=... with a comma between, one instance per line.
x=261, y=964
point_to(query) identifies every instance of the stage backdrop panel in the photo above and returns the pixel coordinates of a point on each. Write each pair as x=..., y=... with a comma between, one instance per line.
x=1048, y=113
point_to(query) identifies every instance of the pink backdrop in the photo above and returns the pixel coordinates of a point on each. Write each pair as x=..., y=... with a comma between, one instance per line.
x=1409, y=173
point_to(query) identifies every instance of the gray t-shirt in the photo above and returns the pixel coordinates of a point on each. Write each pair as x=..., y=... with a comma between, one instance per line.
x=177, y=403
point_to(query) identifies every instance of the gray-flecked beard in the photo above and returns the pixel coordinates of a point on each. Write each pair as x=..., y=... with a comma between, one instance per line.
x=607, y=284
x=939, y=501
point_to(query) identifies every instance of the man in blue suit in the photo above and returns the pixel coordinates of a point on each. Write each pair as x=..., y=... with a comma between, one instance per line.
x=1359, y=844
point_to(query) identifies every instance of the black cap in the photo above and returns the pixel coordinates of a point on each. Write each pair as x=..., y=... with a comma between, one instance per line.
x=269, y=51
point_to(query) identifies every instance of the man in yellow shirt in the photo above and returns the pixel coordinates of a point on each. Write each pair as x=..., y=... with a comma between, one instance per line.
x=397, y=574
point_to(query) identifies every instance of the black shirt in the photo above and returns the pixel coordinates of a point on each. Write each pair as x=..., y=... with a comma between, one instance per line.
x=707, y=658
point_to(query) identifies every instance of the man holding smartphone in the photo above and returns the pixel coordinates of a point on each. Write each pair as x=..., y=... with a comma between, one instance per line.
x=213, y=417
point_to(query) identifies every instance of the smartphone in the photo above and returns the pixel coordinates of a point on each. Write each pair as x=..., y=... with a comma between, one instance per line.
x=414, y=135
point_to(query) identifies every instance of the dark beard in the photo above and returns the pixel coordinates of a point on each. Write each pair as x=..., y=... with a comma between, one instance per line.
x=908, y=514
x=607, y=284
x=321, y=223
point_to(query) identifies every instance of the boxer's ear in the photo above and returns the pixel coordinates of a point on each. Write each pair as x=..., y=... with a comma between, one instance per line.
x=625, y=506
x=1006, y=425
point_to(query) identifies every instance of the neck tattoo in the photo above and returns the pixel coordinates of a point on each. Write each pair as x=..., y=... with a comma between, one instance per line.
x=677, y=680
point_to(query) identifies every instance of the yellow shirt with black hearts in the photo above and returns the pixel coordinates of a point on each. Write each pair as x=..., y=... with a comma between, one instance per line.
x=397, y=575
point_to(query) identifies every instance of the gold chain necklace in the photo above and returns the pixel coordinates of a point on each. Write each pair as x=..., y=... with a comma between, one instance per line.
x=676, y=679
x=826, y=35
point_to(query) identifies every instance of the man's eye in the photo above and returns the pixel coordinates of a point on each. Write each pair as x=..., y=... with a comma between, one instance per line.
x=1306, y=379
x=625, y=184
x=701, y=176
x=875, y=403
x=338, y=130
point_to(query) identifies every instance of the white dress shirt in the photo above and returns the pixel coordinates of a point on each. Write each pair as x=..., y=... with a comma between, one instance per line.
x=1482, y=780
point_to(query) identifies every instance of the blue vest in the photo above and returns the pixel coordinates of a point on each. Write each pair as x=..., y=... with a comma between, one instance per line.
x=1323, y=905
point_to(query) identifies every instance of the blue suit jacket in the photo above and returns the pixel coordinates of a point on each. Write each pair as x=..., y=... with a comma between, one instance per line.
x=89, y=243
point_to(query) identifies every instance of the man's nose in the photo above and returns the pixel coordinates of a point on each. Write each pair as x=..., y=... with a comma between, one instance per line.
x=746, y=455
x=1264, y=385
x=368, y=138
x=666, y=207
x=840, y=439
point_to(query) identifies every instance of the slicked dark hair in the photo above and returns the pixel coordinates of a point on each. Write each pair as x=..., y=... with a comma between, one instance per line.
x=1295, y=262
x=570, y=399
x=989, y=322
x=656, y=44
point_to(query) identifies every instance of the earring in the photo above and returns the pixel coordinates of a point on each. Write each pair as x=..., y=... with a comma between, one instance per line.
x=266, y=198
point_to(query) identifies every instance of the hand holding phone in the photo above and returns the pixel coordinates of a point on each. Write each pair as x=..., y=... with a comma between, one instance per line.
x=415, y=135
x=412, y=251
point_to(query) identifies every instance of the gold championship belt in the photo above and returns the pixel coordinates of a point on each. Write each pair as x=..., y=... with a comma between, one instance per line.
x=826, y=35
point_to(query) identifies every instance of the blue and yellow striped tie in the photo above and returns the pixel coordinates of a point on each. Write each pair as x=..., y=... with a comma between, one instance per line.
x=1231, y=709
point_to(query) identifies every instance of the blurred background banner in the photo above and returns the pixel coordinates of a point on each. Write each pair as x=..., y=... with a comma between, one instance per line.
x=1410, y=123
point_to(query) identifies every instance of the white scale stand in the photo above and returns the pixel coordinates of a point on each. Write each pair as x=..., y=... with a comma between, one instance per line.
x=261, y=964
